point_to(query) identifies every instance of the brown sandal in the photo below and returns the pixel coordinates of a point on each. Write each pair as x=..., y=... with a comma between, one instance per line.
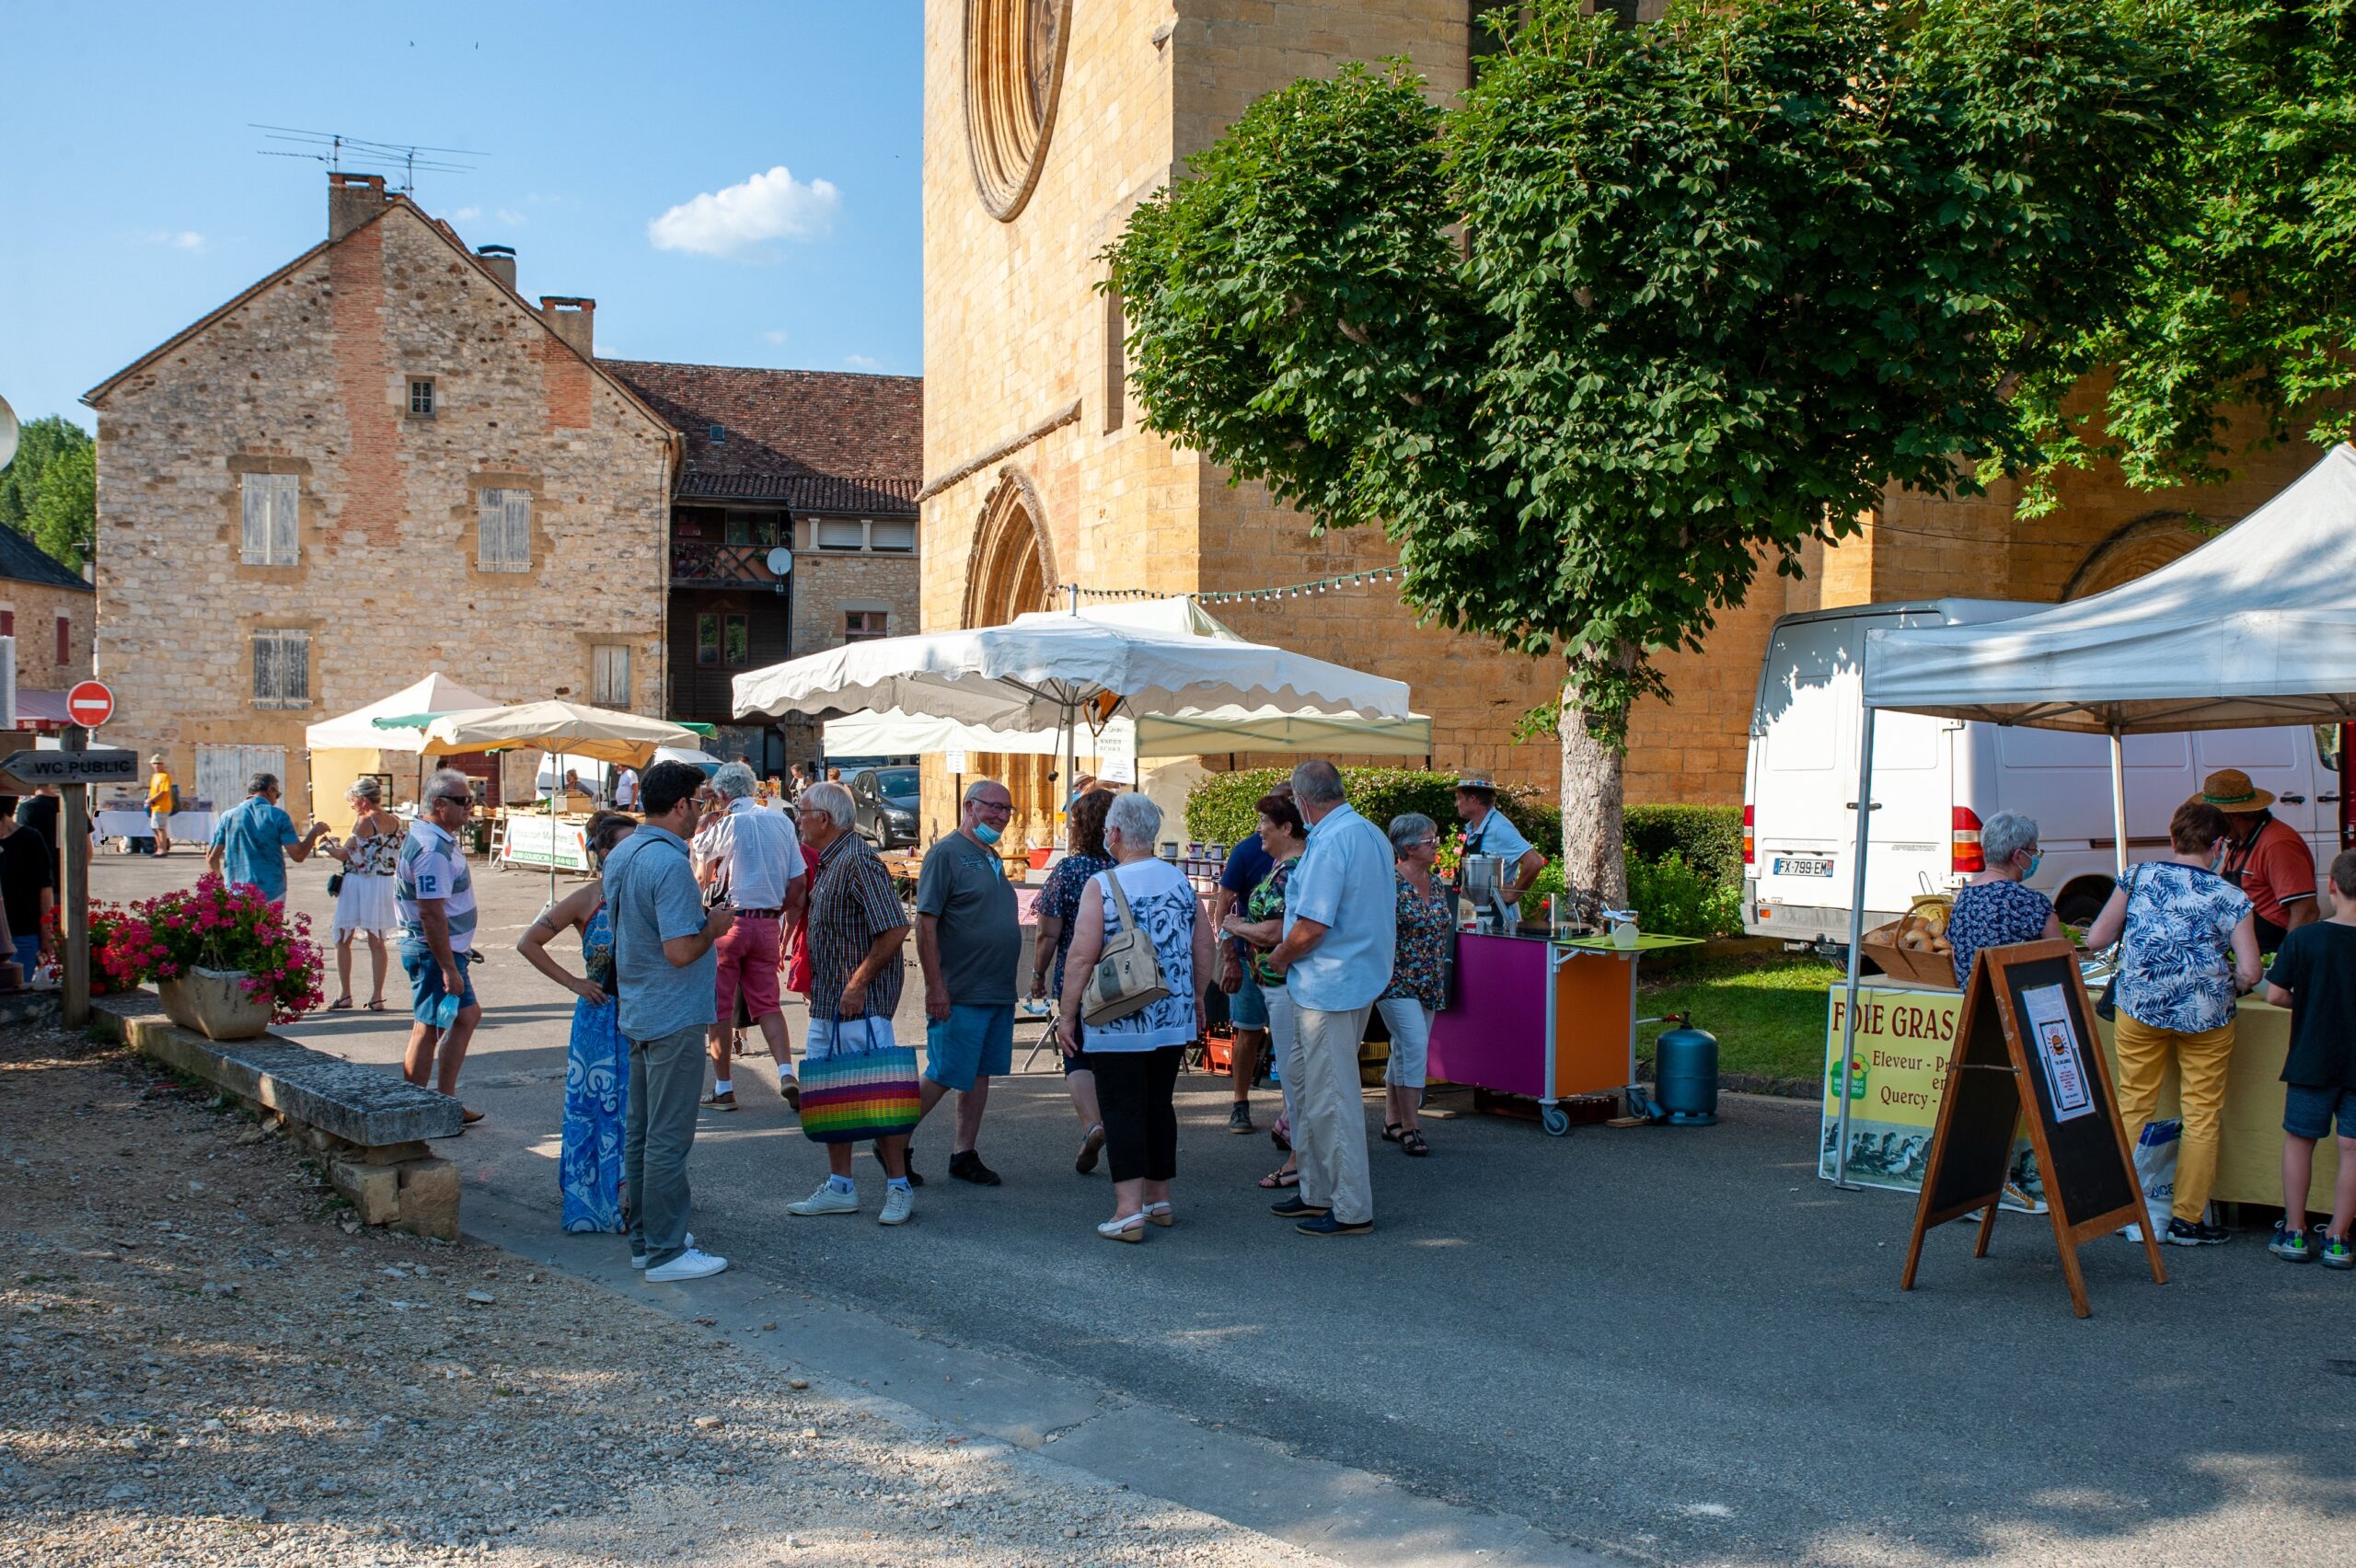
x=1410, y=1142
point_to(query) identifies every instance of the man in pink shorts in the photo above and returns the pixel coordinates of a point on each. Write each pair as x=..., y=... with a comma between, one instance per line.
x=752, y=857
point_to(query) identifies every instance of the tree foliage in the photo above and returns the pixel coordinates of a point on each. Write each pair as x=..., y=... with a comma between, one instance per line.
x=1650, y=305
x=50, y=491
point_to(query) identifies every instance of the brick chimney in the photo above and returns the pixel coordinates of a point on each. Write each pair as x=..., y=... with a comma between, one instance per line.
x=500, y=261
x=353, y=200
x=574, y=320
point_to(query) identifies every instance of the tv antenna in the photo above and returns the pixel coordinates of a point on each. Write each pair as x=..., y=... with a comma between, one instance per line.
x=341, y=153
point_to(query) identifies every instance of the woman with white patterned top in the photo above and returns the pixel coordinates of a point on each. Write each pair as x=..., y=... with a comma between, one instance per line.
x=1137, y=1057
x=365, y=906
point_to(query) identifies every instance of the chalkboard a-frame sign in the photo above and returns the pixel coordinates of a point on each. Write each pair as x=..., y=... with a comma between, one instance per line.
x=2025, y=1048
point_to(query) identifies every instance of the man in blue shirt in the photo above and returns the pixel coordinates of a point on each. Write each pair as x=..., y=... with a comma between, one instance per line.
x=254, y=839
x=1486, y=832
x=664, y=974
x=1341, y=926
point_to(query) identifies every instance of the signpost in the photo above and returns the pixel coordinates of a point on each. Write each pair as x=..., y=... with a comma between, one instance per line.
x=73, y=769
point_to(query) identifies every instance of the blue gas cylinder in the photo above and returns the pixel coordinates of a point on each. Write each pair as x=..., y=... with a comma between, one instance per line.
x=1685, y=1075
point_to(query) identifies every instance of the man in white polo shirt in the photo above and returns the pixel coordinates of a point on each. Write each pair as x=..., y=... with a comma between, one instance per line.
x=435, y=895
x=752, y=857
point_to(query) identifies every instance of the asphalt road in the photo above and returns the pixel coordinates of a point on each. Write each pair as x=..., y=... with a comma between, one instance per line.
x=1674, y=1344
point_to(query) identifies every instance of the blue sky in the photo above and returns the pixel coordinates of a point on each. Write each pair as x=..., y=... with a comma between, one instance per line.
x=734, y=183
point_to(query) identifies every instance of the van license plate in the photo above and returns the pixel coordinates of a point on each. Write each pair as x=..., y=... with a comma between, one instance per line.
x=1802, y=866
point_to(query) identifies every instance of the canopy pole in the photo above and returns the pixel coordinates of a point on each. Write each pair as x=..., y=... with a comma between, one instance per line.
x=2118, y=797
x=1863, y=806
x=555, y=785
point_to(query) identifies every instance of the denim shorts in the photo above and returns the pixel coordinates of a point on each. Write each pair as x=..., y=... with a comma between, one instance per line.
x=971, y=1041
x=425, y=981
x=2307, y=1112
x=1247, y=1008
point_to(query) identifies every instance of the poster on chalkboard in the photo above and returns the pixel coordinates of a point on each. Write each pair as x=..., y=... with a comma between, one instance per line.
x=2055, y=1040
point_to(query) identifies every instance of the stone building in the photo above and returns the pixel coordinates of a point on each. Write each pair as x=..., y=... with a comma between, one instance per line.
x=824, y=464
x=378, y=461
x=1047, y=121
x=51, y=611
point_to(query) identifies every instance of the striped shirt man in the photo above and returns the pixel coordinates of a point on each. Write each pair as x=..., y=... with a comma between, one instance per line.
x=432, y=869
x=852, y=902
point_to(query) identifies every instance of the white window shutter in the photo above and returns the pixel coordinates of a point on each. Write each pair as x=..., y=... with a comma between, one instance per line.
x=286, y=504
x=519, y=530
x=489, y=526
x=294, y=667
x=265, y=669
x=255, y=492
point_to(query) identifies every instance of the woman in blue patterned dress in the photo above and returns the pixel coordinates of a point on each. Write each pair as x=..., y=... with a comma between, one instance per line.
x=596, y=1064
x=1136, y=1056
x=1993, y=909
x=1426, y=926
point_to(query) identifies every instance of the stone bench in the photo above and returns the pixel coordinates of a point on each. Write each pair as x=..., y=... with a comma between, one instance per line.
x=370, y=1126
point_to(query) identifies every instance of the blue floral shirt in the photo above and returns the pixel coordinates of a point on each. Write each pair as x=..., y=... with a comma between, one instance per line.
x=1994, y=914
x=2176, y=967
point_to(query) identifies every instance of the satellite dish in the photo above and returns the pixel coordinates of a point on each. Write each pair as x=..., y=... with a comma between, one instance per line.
x=8, y=433
x=780, y=558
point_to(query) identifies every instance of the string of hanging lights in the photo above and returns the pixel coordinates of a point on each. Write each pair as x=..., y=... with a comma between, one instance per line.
x=1370, y=578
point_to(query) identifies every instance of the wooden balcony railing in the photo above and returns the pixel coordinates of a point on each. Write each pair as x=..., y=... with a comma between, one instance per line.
x=699, y=560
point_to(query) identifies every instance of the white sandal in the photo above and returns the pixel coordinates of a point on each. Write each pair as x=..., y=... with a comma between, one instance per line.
x=1159, y=1214
x=1130, y=1227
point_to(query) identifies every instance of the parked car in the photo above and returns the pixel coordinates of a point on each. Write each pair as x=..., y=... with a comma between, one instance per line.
x=884, y=801
x=1935, y=780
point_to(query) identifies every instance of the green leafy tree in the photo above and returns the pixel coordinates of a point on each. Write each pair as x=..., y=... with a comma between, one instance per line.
x=2249, y=304
x=50, y=490
x=1651, y=308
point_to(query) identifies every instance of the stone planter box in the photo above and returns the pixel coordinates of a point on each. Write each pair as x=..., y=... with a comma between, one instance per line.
x=214, y=1003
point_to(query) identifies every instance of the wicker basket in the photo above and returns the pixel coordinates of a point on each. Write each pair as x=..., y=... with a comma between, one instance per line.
x=1909, y=965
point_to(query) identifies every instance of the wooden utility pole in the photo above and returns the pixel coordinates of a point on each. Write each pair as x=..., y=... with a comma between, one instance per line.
x=74, y=914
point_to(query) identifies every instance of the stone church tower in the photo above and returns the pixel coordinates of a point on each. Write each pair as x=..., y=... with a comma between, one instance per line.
x=1046, y=122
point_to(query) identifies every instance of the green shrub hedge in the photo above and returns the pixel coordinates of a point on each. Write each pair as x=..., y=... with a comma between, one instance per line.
x=1219, y=808
x=1708, y=838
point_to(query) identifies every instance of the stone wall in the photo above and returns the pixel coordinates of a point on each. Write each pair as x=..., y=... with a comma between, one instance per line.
x=33, y=610
x=309, y=375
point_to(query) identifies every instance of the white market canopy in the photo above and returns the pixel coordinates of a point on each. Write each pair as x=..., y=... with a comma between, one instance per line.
x=357, y=729
x=569, y=729
x=2256, y=627
x=1037, y=672
x=1188, y=733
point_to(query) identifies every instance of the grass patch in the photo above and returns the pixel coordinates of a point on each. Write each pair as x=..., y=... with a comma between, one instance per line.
x=1768, y=1012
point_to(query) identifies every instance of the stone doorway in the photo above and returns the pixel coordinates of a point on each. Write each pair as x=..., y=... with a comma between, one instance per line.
x=1010, y=573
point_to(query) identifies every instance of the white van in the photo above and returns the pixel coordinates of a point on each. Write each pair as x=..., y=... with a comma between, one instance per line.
x=1936, y=779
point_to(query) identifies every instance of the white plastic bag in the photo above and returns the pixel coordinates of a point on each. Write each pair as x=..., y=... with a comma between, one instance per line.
x=2155, y=1150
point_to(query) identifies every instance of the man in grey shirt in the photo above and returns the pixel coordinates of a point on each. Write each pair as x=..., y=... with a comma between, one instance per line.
x=663, y=975
x=969, y=942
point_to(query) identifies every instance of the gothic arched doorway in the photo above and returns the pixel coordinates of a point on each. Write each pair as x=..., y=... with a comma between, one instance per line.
x=1010, y=574
x=2144, y=546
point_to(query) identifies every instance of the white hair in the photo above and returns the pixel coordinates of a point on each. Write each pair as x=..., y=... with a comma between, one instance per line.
x=2006, y=834
x=369, y=789
x=1139, y=819
x=448, y=781
x=833, y=800
x=733, y=781
x=1317, y=783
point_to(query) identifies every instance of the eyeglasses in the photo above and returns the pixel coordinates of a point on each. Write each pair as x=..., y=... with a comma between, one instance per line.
x=1002, y=807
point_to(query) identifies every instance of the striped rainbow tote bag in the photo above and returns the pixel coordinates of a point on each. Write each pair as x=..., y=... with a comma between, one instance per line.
x=851, y=1099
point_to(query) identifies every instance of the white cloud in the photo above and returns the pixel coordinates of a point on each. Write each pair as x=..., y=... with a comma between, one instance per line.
x=860, y=361
x=178, y=239
x=736, y=224
x=468, y=214
x=777, y=337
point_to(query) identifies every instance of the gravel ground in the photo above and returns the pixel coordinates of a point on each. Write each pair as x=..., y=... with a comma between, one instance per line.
x=207, y=1363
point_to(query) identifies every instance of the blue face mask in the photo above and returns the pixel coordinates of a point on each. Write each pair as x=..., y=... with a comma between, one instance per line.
x=986, y=833
x=2034, y=862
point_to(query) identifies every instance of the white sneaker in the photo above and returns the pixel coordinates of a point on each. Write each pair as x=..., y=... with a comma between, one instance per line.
x=689, y=1264
x=827, y=1200
x=640, y=1259
x=899, y=1203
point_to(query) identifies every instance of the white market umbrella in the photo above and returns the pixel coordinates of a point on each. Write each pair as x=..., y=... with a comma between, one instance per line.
x=568, y=729
x=358, y=731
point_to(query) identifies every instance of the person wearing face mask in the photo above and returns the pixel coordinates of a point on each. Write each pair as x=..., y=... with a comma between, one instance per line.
x=1995, y=908
x=2187, y=947
x=969, y=942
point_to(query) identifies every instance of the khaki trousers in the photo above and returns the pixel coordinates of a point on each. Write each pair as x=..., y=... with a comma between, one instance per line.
x=2201, y=1060
x=1329, y=1111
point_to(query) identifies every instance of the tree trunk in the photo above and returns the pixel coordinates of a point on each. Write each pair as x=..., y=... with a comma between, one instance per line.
x=1594, y=769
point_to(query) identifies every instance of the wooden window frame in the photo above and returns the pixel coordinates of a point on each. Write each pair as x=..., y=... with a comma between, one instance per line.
x=503, y=525
x=280, y=640
x=270, y=512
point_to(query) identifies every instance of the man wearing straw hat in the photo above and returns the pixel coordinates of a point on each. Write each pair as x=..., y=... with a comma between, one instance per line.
x=2265, y=858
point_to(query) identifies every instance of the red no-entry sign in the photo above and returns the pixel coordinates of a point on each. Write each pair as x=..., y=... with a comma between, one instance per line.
x=90, y=704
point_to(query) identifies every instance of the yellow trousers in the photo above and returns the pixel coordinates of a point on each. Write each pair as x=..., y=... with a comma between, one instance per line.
x=2201, y=1060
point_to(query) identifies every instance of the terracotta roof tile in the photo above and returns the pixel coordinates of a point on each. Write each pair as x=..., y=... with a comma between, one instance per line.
x=816, y=440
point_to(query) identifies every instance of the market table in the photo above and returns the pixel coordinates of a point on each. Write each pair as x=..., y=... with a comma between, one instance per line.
x=1903, y=1035
x=188, y=828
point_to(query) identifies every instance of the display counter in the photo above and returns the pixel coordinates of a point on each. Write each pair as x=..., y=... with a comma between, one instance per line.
x=1540, y=1017
x=1904, y=1033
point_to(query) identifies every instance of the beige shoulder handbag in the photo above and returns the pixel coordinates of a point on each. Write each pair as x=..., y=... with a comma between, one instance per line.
x=1128, y=977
